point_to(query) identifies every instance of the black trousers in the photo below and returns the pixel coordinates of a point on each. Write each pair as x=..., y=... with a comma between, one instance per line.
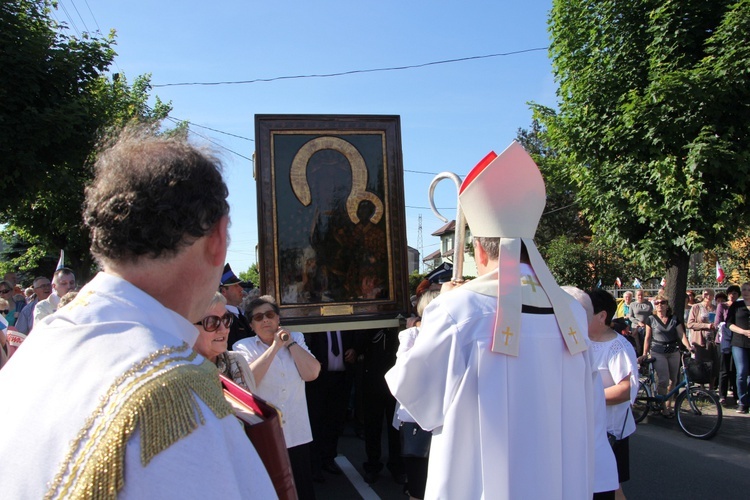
x=299, y=458
x=379, y=408
x=327, y=401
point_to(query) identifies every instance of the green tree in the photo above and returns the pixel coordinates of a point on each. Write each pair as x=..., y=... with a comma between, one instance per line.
x=252, y=275
x=55, y=105
x=561, y=213
x=654, y=124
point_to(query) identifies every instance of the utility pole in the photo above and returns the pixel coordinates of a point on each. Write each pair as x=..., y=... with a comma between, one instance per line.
x=420, y=246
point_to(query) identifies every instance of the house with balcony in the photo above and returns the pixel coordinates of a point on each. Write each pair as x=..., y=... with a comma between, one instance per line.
x=447, y=235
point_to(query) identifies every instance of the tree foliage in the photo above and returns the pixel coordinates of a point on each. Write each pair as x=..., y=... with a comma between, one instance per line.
x=654, y=122
x=55, y=105
x=561, y=215
x=252, y=275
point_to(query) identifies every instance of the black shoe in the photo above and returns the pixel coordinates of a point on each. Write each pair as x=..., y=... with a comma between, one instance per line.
x=332, y=467
x=742, y=408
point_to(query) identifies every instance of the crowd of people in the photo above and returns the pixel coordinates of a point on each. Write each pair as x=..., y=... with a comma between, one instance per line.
x=706, y=328
x=493, y=380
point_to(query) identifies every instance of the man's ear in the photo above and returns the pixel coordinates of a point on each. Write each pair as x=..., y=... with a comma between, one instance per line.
x=480, y=255
x=217, y=241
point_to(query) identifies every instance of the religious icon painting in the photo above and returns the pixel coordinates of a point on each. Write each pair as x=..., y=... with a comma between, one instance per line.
x=331, y=216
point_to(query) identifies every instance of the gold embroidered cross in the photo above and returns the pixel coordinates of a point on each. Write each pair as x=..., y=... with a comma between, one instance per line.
x=573, y=333
x=528, y=280
x=507, y=334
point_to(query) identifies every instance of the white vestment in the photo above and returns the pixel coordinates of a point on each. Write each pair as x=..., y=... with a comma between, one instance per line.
x=115, y=353
x=504, y=427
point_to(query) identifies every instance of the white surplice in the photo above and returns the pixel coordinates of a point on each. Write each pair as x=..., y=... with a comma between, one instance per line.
x=103, y=345
x=504, y=427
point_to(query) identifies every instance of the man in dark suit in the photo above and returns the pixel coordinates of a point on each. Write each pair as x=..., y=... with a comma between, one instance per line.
x=328, y=395
x=232, y=288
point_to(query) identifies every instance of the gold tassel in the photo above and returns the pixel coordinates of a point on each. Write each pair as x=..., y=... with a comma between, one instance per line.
x=165, y=410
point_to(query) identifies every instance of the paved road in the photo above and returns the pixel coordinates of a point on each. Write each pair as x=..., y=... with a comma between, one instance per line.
x=665, y=464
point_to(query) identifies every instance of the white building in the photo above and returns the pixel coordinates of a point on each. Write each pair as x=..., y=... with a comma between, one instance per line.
x=447, y=235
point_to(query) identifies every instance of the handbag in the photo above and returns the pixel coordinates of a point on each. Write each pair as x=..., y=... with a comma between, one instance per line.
x=262, y=423
x=611, y=437
x=415, y=441
x=725, y=337
x=699, y=372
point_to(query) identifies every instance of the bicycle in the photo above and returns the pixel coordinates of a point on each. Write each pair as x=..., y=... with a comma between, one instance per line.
x=697, y=409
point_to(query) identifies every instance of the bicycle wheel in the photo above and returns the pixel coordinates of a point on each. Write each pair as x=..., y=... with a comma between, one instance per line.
x=698, y=413
x=641, y=406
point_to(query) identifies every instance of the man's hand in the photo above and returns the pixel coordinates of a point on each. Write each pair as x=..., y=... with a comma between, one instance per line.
x=350, y=355
x=450, y=285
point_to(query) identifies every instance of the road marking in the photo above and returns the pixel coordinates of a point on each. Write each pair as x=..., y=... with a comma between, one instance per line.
x=356, y=479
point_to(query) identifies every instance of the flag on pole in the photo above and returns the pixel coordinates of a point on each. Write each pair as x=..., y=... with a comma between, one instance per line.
x=61, y=262
x=618, y=282
x=637, y=283
x=719, y=272
x=599, y=284
x=663, y=282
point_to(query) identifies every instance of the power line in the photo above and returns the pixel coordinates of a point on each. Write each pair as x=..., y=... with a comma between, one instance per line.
x=70, y=19
x=98, y=29
x=80, y=17
x=354, y=72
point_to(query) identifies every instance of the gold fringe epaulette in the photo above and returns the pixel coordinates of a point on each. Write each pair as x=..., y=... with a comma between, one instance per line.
x=162, y=406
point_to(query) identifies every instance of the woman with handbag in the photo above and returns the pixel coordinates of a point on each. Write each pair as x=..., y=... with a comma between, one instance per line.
x=415, y=441
x=281, y=364
x=664, y=333
x=738, y=320
x=727, y=373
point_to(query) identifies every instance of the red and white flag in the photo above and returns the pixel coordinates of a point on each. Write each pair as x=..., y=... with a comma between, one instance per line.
x=663, y=282
x=618, y=282
x=719, y=272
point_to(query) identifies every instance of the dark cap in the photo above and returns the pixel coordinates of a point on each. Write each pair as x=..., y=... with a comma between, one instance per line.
x=229, y=278
x=441, y=274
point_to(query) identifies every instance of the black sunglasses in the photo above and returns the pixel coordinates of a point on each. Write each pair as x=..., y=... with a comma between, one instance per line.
x=4, y=311
x=5, y=291
x=211, y=323
x=268, y=314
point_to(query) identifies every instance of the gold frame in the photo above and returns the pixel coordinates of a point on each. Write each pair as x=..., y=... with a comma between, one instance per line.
x=371, y=148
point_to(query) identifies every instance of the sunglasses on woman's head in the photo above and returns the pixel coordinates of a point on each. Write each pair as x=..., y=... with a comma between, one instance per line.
x=211, y=323
x=267, y=314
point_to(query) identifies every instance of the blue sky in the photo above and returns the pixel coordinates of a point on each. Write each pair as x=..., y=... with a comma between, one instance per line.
x=451, y=114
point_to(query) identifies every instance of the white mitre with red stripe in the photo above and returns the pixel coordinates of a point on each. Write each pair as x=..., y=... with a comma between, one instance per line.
x=504, y=197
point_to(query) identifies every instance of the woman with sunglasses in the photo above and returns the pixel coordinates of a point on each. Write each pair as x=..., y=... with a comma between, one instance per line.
x=281, y=363
x=664, y=333
x=213, y=332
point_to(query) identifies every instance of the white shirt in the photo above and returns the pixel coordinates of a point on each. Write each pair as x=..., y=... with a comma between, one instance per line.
x=282, y=386
x=53, y=385
x=503, y=427
x=616, y=360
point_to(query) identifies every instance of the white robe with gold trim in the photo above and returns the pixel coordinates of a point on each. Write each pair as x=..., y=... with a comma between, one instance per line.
x=112, y=341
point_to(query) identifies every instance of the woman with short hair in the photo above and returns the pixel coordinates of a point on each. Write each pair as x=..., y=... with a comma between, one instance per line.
x=281, y=364
x=213, y=333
